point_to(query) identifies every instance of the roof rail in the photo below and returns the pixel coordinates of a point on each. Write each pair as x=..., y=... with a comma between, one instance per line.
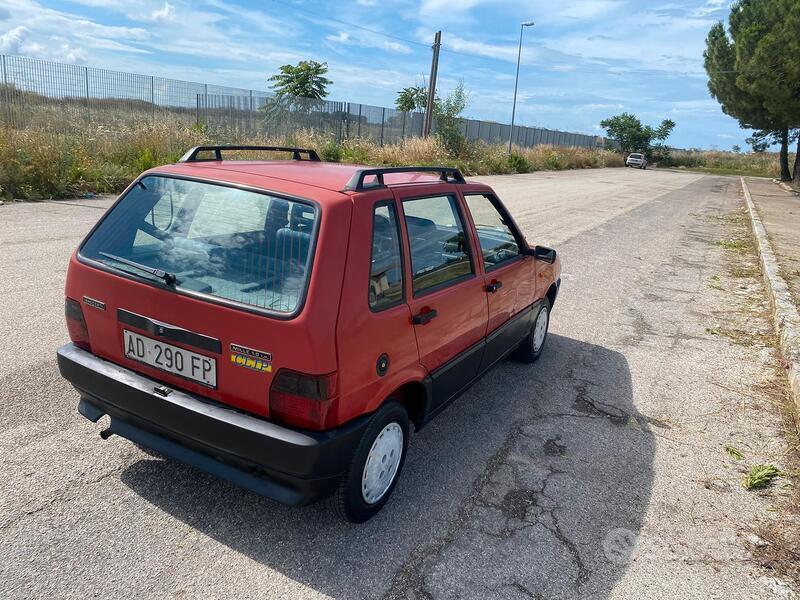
x=191, y=155
x=356, y=183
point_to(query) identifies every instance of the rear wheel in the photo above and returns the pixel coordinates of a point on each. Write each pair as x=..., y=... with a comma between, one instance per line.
x=376, y=465
x=532, y=346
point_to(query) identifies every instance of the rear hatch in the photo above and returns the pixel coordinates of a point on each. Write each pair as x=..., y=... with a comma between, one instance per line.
x=201, y=286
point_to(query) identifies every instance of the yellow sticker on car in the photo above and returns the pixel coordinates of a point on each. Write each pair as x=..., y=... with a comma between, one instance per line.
x=257, y=360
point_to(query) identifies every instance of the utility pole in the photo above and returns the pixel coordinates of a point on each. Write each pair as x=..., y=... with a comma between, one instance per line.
x=426, y=125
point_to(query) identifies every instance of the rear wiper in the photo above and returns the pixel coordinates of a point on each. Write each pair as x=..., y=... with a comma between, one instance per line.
x=169, y=278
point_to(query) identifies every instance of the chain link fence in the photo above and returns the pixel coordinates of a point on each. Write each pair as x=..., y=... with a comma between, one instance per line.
x=63, y=97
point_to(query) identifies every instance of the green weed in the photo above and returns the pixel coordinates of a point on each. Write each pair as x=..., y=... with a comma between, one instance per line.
x=734, y=453
x=760, y=477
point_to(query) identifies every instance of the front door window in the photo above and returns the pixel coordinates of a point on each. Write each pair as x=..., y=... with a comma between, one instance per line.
x=436, y=236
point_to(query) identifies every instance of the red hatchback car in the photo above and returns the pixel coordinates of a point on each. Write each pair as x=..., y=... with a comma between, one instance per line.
x=281, y=324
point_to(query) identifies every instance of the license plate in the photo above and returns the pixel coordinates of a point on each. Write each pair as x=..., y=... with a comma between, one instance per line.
x=172, y=359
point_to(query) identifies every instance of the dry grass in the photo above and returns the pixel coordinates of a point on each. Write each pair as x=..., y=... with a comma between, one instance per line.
x=778, y=547
x=763, y=164
x=37, y=164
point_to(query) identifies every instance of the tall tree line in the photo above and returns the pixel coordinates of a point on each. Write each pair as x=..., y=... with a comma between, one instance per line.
x=754, y=73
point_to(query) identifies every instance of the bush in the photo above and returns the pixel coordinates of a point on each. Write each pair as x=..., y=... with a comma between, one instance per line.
x=752, y=163
x=331, y=151
x=518, y=164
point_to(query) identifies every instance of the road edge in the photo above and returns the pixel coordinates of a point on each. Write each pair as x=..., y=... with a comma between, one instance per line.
x=784, y=312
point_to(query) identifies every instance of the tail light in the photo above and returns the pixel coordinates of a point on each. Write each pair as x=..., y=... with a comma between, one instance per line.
x=302, y=400
x=76, y=324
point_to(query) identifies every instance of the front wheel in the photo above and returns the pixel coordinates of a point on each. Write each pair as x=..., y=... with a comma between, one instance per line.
x=376, y=465
x=532, y=346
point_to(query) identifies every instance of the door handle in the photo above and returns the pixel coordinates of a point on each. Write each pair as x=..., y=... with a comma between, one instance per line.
x=424, y=317
x=494, y=286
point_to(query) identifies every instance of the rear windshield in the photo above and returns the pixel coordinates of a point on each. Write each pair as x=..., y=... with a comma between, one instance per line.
x=222, y=241
x=636, y=155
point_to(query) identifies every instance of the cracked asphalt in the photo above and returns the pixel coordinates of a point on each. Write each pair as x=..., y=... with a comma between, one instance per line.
x=597, y=472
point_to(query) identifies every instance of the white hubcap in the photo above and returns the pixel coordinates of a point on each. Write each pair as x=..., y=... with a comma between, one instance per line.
x=382, y=463
x=540, y=329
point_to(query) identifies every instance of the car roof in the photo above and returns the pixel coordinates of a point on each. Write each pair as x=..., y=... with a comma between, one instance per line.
x=299, y=177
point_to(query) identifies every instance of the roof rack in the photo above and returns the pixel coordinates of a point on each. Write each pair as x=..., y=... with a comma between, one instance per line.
x=191, y=155
x=356, y=183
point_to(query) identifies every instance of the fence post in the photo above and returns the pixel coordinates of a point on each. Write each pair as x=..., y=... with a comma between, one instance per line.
x=86, y=82
x=6, y=94
x=197, y=110
x=250, y=119
x=403, y=132
x=153, y=98
x=383, y=120
x=358, y=135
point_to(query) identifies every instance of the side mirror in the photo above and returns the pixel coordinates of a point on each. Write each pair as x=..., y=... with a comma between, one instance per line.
x=543, y=253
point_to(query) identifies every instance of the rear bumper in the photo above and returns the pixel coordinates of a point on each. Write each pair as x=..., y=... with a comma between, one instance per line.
x=291, y=466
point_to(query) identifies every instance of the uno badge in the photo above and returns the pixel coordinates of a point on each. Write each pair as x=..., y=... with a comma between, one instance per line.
x=251, y=359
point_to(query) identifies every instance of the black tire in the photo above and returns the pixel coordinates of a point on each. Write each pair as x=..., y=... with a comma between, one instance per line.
x=526, y=352
x=348, y=500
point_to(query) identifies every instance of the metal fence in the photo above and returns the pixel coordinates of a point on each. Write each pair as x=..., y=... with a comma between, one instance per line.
x=63, y=97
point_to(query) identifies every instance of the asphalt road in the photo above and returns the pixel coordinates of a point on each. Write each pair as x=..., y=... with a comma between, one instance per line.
x=599, y=471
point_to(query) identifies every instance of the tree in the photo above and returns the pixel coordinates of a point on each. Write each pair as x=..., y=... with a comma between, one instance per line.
x=761, y=140
x=736, y=148
x=750, y=72
x=412, y=98
x=447, y=119
x=774, y=69
x=304, y=80
x=627, y=131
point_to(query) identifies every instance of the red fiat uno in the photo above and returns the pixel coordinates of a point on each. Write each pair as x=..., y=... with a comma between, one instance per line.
x=281, y=324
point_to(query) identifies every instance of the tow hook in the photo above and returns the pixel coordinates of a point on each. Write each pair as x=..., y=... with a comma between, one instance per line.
x=106, y=433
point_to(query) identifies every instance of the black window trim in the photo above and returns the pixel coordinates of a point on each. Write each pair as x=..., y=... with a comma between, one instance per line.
x=460, y=213
x=388, y=202
x=274, y=314
x=506, y=216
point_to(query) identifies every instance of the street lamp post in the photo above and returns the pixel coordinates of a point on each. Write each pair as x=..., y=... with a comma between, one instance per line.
x=522, y=26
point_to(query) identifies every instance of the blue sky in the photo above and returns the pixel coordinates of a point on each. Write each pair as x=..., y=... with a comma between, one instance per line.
x=584, y=60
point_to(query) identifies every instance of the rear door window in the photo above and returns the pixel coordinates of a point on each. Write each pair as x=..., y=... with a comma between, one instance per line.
x=438, y=243
x=386, y=269
x=234, y=244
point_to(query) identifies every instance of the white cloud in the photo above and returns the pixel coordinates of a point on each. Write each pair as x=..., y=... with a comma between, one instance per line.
x=165, y=13
x=11, y=41
x=393, y=46
x=710, y=7
x=73, y=55
x=544, y=12
x=364, y=41
x=447, y=7
x=507, y=52
x=342, y=37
